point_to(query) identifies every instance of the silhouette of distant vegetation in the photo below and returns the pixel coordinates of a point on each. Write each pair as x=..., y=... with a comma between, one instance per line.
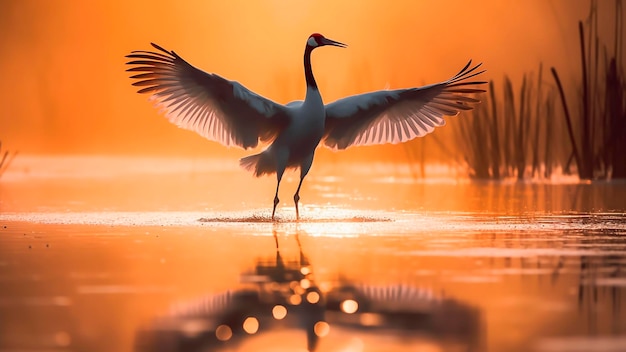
x=511, y=134
x=530, y=131
x=598, y=131
x=6, y=159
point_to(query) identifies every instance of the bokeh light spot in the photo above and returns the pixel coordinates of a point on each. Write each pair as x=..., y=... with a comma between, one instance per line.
x=295, y=300
x=321, y=328
x=371, y=319
x=223, y=333
x=349, y=306
x=313, y=297
x=279, y=312
x=251, y=325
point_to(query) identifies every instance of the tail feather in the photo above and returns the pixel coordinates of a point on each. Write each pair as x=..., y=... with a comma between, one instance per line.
x=260, y=164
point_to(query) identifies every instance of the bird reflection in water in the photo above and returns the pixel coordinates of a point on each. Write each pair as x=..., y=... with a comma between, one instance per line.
x=281, y=294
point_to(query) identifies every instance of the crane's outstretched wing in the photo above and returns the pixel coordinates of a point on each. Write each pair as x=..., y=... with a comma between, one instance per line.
x=395, y=116
x=218, y=109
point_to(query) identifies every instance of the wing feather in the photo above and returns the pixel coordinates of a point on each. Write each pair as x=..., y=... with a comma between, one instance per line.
x=218, y=109
x=395, y=116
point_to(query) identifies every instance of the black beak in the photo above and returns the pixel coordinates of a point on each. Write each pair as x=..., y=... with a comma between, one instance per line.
x=327, y=41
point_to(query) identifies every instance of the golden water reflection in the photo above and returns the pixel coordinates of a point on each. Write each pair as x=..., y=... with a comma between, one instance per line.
x=285, y=294
x=91, y=287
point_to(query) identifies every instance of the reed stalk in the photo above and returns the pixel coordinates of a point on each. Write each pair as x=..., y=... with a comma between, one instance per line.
x=597, y=131
x=502, y=137
x=6, y=159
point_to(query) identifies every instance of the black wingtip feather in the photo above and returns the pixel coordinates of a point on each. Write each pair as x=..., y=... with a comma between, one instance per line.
x=466, y=73
x=464, y=68
x=158, y=47
x=150, y=56
x=148, y=90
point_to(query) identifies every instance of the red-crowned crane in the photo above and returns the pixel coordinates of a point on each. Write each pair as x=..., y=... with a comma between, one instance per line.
x=227, y=112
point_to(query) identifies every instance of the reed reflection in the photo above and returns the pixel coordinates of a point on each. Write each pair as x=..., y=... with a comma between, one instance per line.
x=282, y=297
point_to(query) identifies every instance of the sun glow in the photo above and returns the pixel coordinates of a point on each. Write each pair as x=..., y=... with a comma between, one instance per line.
x=256, y=43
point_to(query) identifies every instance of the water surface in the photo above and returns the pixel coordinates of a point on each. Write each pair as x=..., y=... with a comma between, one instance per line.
x=155, y=254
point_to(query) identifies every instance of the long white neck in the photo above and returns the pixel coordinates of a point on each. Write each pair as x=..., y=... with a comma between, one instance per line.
x=308, y=71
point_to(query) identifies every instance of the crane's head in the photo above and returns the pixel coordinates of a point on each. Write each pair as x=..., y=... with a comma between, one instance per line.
x=316, y=40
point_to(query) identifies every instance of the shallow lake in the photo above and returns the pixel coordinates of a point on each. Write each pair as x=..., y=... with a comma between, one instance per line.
x=180, y=254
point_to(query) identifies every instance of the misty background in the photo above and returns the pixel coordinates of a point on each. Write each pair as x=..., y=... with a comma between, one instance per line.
x=65, y=90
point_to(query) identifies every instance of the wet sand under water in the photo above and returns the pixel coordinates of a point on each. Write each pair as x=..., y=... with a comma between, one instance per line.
x=101, y=253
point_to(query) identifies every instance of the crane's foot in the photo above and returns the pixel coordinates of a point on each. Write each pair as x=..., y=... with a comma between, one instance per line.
x=296, y=199
x=276, y=200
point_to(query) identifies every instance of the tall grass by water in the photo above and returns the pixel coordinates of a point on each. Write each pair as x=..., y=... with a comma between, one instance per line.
x=511, y=133
x=597, y=120
x=531, y=130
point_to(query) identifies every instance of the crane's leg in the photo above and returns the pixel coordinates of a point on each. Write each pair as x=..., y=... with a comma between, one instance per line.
x=281, y=163
x=304, y=170
x=296, y=199
x=279, y=176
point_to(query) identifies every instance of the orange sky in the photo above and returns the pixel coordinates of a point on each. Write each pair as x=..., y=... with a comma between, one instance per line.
x=64, y=89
